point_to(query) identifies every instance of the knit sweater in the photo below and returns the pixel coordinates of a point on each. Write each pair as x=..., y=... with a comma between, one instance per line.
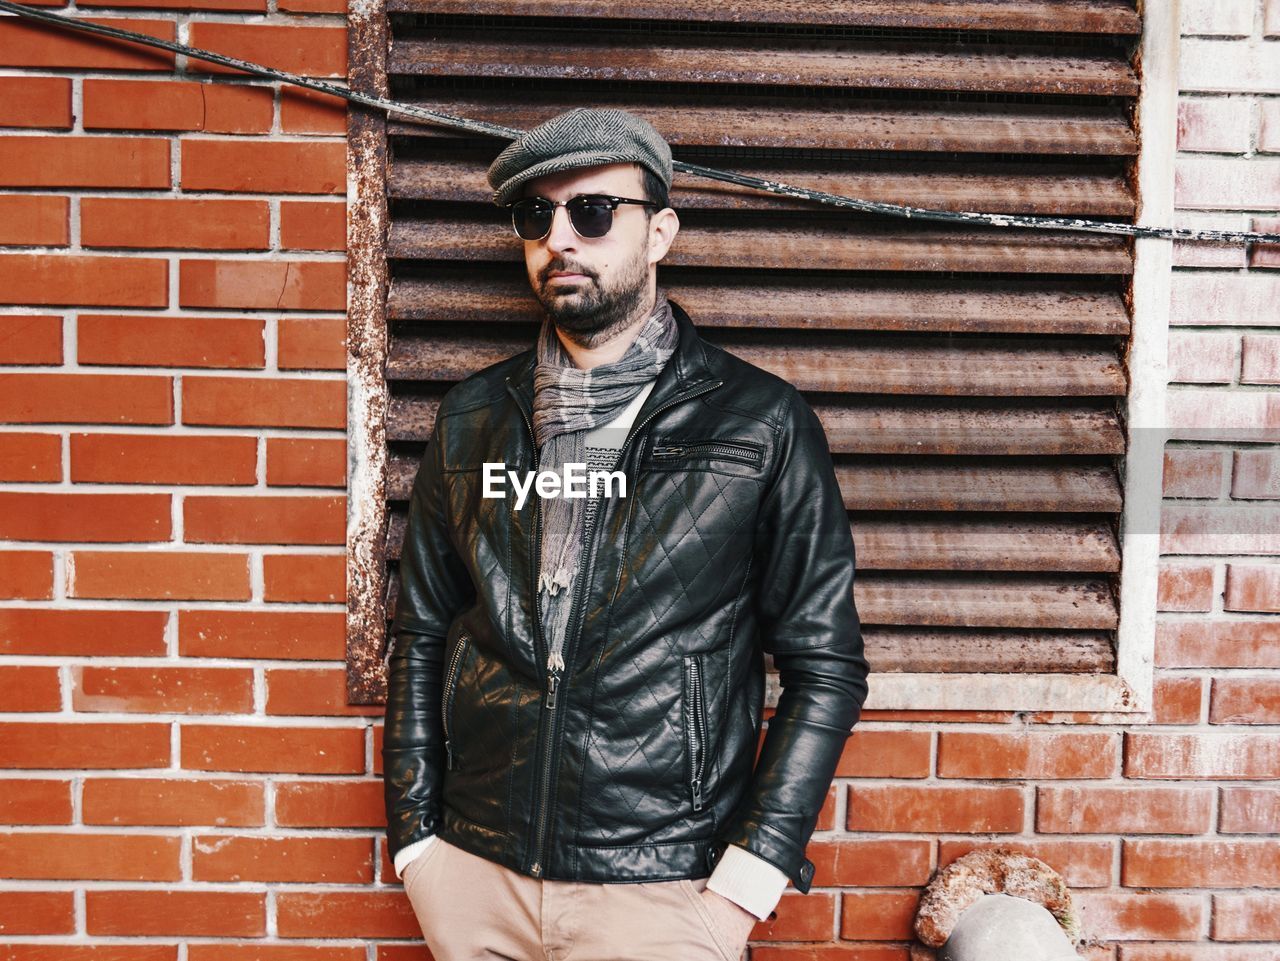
x=742, y=877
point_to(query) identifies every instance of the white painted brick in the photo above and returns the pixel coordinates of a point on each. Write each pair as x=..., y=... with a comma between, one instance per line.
x=1213, y=183
x=1215, y=124
x=1269, y=126
x=1264, y=254
x=1222, y=18
x=1207, y=253
x=1260, y=361
x=1225, y=299
x=1229, y=66
x=1199, y=358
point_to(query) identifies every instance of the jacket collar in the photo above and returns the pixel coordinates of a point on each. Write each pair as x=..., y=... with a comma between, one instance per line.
x=688, y=369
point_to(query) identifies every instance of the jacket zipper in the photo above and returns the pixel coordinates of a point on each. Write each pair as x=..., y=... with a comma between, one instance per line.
x=697, y=728
x=451, y=683
x=553, y=677
x=715, y=448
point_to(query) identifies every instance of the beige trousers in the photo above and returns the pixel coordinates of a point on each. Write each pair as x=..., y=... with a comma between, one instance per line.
x=471, y=908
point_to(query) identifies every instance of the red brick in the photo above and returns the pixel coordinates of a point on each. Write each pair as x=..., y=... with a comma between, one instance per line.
x=37, y=912
x=162, y=690
x=318, y=860
x=80, y=633
x=26, y=575
x=1140, y=916
x=1252, y=588
x=306, y=462
x=313, y=225
x=28, y=339
x=1260, y=363
x=84, y=856
x=1218, y=644
x=307, y=51
x=1185, y=587
x=1199, y=863
x=312, y=6
x=330, y=804
x=994, y=755
x=1178, y=699
x=220, y=802
x=873, y=915
x=263, y=284
x=265, y=166
x=35, y=801
x=39, y=951
x=160, y=575
x=35, y=102
x=269, y=519
x=1082, y=861
x=176, y=105
x=1193, y=474
x=175, y=913
x=30, y=687
x=249, y=951
x=36, y=220
x=61, y=516
x=299, y=750
x=1198, y=358
x=1209, y=755
x=1249, y=917
x=259, y=6
x=319, y=692
x=1109, y=809
x=84, y=281
x=273, y=635
x=74, y=161
x=1248, y=810
x=881, y=753
x=312, y=343
x=163, y=459
x=1214, y=125
x=52, y=744
x=27, y=43
x=309, y=111
x=1245, y=700
x=926, y=808
x=30, y=457
x=304, y=578
x=1255, y=474
x=181, y=224
x=211, y=342
x=264, y=402
x=345, y=914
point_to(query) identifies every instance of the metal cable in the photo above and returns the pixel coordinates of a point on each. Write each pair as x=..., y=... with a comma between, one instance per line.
x=417, y=114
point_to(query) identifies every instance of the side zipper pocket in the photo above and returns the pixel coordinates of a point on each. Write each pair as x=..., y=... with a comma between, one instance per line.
x=696, y=726
x=450, y=686
x=709, y=449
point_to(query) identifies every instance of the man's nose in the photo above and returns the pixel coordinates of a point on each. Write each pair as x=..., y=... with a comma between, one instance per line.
x=561, y=236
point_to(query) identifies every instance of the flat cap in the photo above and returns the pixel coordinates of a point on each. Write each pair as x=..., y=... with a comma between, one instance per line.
x=581, y=137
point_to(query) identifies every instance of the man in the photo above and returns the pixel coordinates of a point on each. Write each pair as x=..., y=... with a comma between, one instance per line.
x=575, y=684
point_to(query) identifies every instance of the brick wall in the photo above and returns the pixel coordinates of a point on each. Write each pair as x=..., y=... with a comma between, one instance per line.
x=180, y=777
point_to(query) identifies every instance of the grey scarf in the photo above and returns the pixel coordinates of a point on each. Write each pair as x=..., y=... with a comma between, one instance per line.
x=567, y=402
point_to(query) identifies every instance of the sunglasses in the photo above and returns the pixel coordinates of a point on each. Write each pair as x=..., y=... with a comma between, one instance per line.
x=590, y=214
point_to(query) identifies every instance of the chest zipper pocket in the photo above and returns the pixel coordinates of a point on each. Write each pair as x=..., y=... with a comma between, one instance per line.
x=450, y=688
x=695, y=726
x=730, y=450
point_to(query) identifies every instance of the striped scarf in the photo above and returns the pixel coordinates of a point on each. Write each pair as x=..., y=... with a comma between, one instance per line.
x=568, y=401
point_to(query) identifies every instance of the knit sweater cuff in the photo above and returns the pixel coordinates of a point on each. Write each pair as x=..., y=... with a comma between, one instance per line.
x=409, y=852
x=749, y=881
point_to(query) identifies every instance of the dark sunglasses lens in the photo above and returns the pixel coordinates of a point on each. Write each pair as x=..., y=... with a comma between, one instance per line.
x=532, y=220
x=591, y=218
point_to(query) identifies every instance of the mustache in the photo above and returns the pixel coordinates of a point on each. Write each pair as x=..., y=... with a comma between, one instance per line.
x=568, y=268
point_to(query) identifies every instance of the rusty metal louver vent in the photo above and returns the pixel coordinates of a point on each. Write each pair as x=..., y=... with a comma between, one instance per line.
x=970, y=380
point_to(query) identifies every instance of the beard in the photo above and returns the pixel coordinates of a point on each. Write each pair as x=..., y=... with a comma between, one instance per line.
x=588, y=312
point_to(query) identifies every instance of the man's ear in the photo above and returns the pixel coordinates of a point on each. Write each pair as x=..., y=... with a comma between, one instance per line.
x=662, y=233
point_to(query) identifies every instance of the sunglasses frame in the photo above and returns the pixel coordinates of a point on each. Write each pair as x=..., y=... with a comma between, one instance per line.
x=613, y=207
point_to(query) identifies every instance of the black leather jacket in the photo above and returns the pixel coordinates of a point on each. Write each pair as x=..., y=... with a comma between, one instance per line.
x=637, y=763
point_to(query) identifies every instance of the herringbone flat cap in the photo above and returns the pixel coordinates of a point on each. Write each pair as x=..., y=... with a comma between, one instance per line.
x=581, y=137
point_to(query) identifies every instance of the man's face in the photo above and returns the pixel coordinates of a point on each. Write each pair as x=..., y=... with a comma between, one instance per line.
x=610, y=276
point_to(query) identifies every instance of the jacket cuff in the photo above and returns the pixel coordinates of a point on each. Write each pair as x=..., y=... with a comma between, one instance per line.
x=409, y=852
x=749, y=881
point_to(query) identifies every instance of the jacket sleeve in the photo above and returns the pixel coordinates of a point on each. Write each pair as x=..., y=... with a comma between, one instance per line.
x=804, y=601
x=434, y=587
